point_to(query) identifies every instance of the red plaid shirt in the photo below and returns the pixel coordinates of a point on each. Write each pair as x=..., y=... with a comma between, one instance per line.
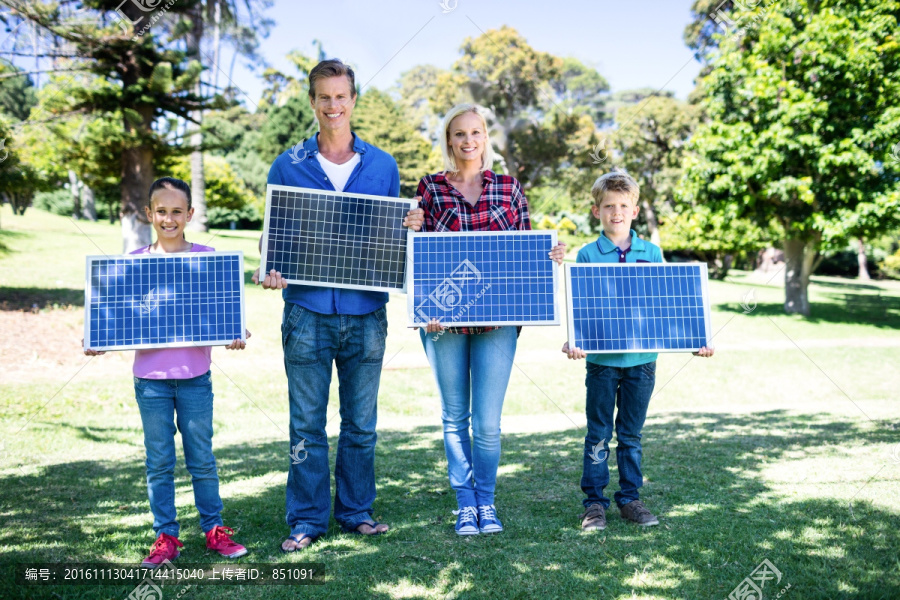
x=501, y=207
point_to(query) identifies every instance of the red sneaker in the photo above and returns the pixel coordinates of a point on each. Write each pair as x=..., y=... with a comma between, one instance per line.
x=164, y=548
x=219, y=539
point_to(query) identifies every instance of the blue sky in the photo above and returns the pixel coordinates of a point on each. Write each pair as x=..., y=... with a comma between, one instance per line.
x=632, y=44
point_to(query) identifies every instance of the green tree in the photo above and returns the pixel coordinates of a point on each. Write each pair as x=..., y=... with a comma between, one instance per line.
x=285, y=126
x=650, y=138
x=413, y=94
x=17, y=94
x=227, y=197
x=542, y=122
x=378, y=120
x=18, y=180
x=803, y=108
x=139, y=53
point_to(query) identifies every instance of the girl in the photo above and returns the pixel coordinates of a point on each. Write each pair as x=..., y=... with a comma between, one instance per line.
x=472, y=365
x=173, y=388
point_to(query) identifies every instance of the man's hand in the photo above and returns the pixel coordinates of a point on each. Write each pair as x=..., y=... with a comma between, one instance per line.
x=272, y=281
x=415, y=218
x=705, y=352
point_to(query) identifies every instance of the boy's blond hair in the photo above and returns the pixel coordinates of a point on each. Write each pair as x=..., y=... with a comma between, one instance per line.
x=617, y=180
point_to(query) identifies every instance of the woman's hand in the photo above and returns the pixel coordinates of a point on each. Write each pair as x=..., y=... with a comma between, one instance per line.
x=434, y=327
x=558, y=253
x=705, y=352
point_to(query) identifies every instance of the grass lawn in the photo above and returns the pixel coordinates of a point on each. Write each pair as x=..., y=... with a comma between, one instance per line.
x=783, y=447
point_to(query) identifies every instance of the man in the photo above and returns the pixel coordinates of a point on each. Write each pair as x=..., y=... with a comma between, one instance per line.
x=324, y=325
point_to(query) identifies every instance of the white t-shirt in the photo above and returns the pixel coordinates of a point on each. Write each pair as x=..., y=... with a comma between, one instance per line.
x=338, y=174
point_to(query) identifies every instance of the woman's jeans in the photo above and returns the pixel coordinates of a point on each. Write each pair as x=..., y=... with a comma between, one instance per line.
x=189, y=404
x=472, y=372
x=629, y=389
x=313, y=342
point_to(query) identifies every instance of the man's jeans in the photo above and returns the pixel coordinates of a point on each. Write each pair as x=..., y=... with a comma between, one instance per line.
x=312, y=342
x=189, y=403
x=472, y=372
x=629, y=389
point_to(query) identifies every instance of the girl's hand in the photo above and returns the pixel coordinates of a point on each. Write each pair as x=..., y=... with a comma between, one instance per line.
x=415, y=218
x=573, y=353
x=558, y=253
x=90, y=352
x=705, y=352
x=239, y=344
x=434, y=327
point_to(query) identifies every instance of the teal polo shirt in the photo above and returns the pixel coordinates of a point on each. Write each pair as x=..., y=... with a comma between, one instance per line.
x=604, y=251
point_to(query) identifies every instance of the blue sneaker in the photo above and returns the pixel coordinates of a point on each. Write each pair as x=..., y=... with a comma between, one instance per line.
x=467, y=521
x=487, y=519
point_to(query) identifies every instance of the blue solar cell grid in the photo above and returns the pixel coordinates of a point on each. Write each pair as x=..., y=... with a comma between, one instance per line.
x=482, y=278
x=164, y=300
x=335, y=239
x=638, y=307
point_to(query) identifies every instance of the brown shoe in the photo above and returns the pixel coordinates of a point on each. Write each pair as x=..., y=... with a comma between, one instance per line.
x=636, y=512
x=594, y=518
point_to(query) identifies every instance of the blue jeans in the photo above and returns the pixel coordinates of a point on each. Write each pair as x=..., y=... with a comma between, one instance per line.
x=189, y=404
x=472, y=372
x=629, y=389
x=312, y=342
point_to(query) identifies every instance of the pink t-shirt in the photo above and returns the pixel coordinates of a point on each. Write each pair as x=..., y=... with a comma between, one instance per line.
x=173, y=363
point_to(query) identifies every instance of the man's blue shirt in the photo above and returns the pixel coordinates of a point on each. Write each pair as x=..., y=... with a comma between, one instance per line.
x=604, y=251
x=377, y=175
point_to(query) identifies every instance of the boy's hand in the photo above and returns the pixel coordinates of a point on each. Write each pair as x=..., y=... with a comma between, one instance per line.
x=90, y=352
x=558, y=253
x=573, y=353
x=415, y=218
x=705, y=352
x=434, y=327
x=239, y=344
x=273, y=281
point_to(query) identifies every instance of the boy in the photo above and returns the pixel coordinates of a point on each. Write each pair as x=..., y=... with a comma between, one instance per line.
x=623, y=379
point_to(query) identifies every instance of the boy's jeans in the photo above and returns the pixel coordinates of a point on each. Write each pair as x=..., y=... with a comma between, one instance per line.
x=472, y=372
x=312, y=342
x=189, y=403
x=629, y=389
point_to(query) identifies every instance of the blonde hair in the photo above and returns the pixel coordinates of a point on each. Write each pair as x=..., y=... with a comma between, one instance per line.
x=487, y=159
x=617, y=180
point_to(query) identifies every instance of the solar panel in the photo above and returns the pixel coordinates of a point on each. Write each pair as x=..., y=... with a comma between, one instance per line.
x=638, y=307
x=139, y=301
x=480, y=278
x=334, y=239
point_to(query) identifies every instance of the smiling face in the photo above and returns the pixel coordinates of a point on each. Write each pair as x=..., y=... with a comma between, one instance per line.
x=169, y=213
x=465, y=139
x=333, y=103
x=615, y=212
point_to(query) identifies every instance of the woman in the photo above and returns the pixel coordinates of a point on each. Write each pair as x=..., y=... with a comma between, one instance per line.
x=472, y=364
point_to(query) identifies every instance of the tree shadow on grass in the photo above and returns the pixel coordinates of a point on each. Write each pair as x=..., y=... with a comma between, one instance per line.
x=719, y=518
x=856, y=309
x=20, y=298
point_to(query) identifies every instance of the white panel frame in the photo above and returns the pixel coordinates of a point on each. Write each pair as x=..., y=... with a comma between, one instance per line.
x=90, y=259
x=704, y=286
x=265, y=236
x=410, y=277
